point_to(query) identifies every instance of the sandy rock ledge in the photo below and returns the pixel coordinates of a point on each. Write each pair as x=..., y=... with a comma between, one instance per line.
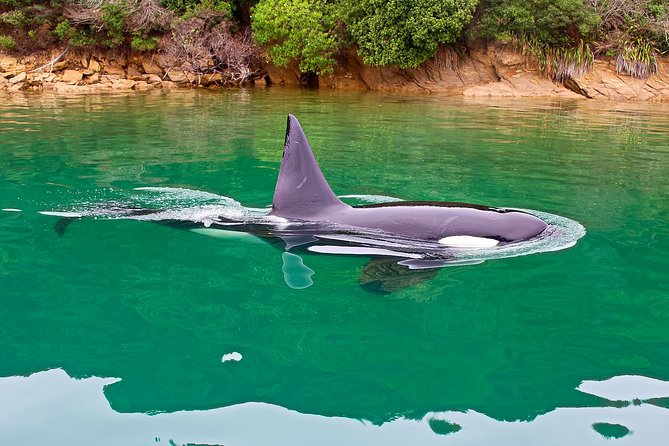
x=84, y=73
x=488, y=71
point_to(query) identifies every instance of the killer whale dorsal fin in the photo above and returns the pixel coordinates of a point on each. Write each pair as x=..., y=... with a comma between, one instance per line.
x=301, y=189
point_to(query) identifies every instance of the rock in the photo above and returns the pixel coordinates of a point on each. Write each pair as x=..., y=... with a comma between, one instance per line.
x=93, y=78
x=143, y=86
x=17, y=86
x=18, y=78
x=151, y=67
x=72, y=76
x=152, y=78
x=262, y=82
x=35, y=82
x=124, y=84
x=7, y=63
x=109, y=78
x=94, y=65
x=10, y=66
x=62, y=87
x=60, y=65
x=210, y=79
x=114, y=69
x=84, y=61
x=178, y=76
x=285, y=76
x=604, y=83
x=134, y=74
x=169, y=85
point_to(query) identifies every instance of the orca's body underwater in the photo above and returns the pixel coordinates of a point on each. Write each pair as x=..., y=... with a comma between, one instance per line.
x=407, y=241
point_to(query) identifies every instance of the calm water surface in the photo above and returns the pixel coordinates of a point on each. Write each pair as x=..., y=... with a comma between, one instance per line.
x=117, y=331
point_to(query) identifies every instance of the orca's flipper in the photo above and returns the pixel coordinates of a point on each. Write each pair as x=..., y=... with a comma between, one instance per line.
x=61, y=225
x=301, y=189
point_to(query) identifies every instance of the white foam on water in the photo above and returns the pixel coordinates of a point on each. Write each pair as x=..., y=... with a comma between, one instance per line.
x=11, y=210
x=190, y=205
x=64, y=214
x=372, y=199
x=232, y=356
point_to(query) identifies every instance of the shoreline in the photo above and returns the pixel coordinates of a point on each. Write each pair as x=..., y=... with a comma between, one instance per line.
x=492, y=71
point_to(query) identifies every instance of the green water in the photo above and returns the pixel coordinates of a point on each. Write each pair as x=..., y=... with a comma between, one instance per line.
x=157, y=308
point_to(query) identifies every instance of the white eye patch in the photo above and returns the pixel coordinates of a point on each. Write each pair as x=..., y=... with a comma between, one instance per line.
x=468, y=241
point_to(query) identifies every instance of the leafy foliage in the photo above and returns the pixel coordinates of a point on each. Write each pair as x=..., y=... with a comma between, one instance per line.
x=563, y=36
x=7, y=43
x=405, y=32
x=637, y=58
x=16, y=17
x=141, y=42
x=71, y=35
x=633, y=32
x=113, y=18
x=553, y=22
x=299, y=30
x=560, y=63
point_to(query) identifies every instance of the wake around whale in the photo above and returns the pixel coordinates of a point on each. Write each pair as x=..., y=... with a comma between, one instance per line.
x=406, y=240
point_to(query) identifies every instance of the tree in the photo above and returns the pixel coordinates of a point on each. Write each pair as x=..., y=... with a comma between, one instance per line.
x=551, y=22
x=298, y=30
x=405, y=32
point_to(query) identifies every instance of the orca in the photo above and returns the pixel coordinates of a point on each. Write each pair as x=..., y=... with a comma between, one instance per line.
x=303, y=194
x=407, y=240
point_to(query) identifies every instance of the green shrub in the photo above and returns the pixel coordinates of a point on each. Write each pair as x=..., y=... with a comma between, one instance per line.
x=637, y=58
x=74, y=37
x=143, y=43
x=7, y=43
x=215, y=5
x=299, y=30
x=558, y=23
x=14, y=17
x=113, y=17
x=180, y=6
x=560, y=63
x=192, y=7
x=404, y=32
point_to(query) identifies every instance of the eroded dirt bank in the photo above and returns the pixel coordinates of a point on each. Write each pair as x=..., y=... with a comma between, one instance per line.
x=493, y=71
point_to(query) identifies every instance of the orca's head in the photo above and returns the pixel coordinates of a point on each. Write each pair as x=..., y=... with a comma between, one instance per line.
x=518, y=226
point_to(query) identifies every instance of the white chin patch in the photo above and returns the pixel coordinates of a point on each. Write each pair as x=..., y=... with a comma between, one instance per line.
x=468, y=241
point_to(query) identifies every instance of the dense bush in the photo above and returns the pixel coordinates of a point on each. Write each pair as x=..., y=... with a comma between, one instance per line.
x=565, y=35
x=562, y=35
x=406, y=32
x=553, y=22
x=633, y=32
x=300, y=30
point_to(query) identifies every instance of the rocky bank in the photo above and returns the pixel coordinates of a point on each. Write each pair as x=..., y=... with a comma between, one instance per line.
x=86, y=72
x=492, y=71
